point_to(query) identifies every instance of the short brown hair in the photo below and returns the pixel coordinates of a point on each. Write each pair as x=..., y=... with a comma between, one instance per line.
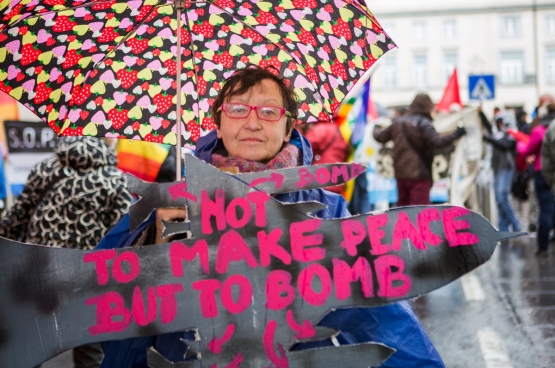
x=244, y=79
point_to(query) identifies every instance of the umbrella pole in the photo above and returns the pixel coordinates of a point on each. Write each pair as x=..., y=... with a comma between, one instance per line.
x=179, y=7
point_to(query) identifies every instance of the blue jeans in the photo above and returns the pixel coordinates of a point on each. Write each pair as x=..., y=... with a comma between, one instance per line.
x=502, y=182
x=546, y=201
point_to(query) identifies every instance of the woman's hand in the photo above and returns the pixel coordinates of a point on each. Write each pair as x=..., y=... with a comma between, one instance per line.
x=167, y=215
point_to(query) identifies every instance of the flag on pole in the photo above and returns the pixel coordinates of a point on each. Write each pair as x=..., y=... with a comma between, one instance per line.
x=142, y=159
x=451, y=95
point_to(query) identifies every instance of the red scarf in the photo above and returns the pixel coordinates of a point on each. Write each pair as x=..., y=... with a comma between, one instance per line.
x=289, y=156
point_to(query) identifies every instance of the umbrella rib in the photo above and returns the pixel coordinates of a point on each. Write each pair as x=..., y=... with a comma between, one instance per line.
x=193, y=57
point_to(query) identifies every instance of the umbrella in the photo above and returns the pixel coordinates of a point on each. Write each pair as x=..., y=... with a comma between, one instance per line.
x=109, y=67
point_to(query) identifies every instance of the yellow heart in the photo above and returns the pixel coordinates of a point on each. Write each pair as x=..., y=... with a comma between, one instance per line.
x=144, y=129
x=118, y=65
x=357, y=60
x=43, y=77
x=84, y=62
x=346, y=14
x=81, y=29
x=326, y=27
x=79, y=79
x=145, y=74
x=376, y=51
x=119, y=7
x=264, y=5
x=32, y=21
x=174, y=99
x=306, y=24
x=300, y=94
x=310, y=60
x=208, y=54
x=75, y=45
x=209, y=76
x=53, y=115
x=154, y=90
x=326, y=65
x=341, y=56
x=156, y=42
x=255, y=58
x=165, y=55
x=135, y=113
x=16, y=93
x=287, y=4
x=45, y=57
x=114, y=22
x=151, y=2
x=293, y=37
x=55, y=96
x=98, y=88
x=216, y=20
x=29, y=38
x=90, y=129
x=188, y=115
x=339, y=95
x=170, y=138
x=283, y=56
x=237, y=27
x=275, y=38
x=3, y=75
x=165, y=10
x=108, y=104
x=235, y=50
x=2, y=54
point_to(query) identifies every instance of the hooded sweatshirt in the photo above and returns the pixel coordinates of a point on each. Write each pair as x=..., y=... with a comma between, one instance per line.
x=70, y=200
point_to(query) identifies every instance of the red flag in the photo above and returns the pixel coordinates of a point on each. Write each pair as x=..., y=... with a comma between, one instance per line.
x=451, y=94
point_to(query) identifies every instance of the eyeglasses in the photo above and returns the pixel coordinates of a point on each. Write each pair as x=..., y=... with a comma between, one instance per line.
x=241, y=111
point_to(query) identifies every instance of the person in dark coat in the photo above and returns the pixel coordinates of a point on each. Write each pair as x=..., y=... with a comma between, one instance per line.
x=71, y=201
x=415, y=140
x=503, y=164
x=248, y=141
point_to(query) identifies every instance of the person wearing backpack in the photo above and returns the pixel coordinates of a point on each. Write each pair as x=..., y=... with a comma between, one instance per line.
x=415, y=140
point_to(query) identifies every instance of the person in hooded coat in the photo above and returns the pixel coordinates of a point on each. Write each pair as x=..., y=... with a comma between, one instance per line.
x=415, y=140
x=249, y=141
x=70, y=201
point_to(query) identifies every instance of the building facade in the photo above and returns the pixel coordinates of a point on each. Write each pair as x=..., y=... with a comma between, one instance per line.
x=511, y=39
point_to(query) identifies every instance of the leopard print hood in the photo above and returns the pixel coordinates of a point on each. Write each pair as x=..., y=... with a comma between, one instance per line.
x=82, y=153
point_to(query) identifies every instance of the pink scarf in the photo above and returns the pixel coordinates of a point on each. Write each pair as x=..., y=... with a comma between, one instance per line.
x=289, y=156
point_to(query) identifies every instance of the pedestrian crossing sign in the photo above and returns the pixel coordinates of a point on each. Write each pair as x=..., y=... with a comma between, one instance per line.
x=481, y=87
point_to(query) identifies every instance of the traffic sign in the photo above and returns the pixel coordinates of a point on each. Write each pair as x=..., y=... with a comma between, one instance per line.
x=481, y=87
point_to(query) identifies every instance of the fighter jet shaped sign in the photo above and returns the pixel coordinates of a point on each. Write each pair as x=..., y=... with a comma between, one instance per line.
x=254, y=277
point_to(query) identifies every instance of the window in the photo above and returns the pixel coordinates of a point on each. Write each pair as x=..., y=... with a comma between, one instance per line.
x=550, y=63
x=450, y=29
x=390, y=72
x=389, y=28
x=512, y=67
x=450, y=60
x=510, y=26
x=420, y=71
x=550, y=24
x=419, y=31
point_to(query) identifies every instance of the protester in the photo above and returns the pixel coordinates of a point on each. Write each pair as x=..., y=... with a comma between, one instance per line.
x=546, y=199
x=415, y=140
x=70, y=200
x=264, y=139
x=328, y=146
x=522, y=122
x=503, y=166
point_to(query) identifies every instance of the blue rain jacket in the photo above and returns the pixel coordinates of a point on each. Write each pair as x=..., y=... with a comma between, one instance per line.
x=394, y=325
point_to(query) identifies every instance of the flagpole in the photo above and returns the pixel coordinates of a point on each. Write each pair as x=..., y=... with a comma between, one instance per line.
x=179, y=7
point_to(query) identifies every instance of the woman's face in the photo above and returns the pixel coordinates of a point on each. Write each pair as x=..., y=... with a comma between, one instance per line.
x=252, y=138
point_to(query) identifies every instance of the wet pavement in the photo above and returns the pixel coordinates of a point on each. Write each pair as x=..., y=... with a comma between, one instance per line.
x=501, y=315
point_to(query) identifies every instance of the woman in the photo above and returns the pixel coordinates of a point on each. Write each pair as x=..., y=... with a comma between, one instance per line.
x=415, y=140
x=546, y=199
x=265, y=139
